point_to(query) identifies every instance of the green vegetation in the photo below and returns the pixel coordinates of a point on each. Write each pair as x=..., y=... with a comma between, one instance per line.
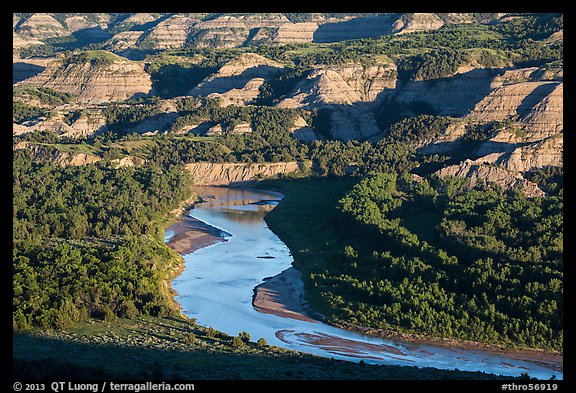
x=87, y=242
x=270, y=140
x=431, y=65
x=97, y=58
x=47, y=98
x=174, y=76
x=24, y=112
x=273, y=90
x=453, y=43
x=366, y=263
x=119, y=117
x=44, y=94
x=299, y=17
x=175, y=72
x=377, y=246
x=535, y=26
x=153, y=348
x=263, y=145
x=550, y=179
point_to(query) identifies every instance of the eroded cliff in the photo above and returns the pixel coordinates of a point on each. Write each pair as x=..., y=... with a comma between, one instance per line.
x=158, y=31
x=215, y=174
x=239, y=80
x=93, y=81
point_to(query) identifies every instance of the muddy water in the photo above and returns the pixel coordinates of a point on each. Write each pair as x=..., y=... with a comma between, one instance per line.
x=216, y=288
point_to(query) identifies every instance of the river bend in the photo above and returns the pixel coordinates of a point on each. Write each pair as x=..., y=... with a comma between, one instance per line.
x=216, y=288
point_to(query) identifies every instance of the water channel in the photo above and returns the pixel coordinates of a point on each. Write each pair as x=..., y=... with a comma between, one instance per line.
x=216, y=288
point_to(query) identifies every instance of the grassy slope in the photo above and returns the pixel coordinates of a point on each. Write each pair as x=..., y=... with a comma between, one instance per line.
x=157, y=348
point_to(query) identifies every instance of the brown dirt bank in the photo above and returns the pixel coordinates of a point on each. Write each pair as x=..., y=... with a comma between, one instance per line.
x=553, y=360
x=283, y=295
x=190, y=235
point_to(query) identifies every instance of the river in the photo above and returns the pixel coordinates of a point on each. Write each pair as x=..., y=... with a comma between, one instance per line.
x=217, y=284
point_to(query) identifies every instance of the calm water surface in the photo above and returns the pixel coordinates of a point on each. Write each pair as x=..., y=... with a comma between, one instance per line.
x=217, y=285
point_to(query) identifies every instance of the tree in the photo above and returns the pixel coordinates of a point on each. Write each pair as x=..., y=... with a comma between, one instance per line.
x=244, y=336
x=237, y=342
x=261, y=343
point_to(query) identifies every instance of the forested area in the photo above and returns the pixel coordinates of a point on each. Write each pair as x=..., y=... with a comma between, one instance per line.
x=23, y=112
x=46, y=97
x=431, y=257
x=420, y=255
x=119, y=118
x=269, y=141
x=432, y=65
x=329, y=157
x=439, y=259
x=86, y=241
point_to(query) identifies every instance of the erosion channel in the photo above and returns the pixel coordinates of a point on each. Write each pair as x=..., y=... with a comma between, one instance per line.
x=229, y=251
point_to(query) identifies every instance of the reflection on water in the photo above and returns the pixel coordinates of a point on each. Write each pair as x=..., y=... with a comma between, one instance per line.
x=217, y=285
x=247, y=214
x=239, y=205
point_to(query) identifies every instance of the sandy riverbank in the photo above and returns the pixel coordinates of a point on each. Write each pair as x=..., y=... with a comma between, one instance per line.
x=283, y=295
x=190, y=234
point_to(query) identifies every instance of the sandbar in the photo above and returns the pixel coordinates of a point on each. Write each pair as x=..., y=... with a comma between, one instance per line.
x=191, y=234
x=282, y=295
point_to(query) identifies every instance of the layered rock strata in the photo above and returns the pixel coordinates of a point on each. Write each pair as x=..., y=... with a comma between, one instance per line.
x=545, y=153
x=410, y=23
x=214, y=174
x=238, y=82
x=538, y=105
x=172, y=32
x=57, y=157
x=92, y=83
x=479, y=171
x=40, y=26
x=302, y=131
x=162, y=31
x=86, y=121
x=350, y=91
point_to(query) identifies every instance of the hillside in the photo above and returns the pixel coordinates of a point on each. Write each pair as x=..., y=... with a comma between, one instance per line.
x=349, y=99
x=162, y=31
x=94, y=77
x=238, y=81
x=421, y=156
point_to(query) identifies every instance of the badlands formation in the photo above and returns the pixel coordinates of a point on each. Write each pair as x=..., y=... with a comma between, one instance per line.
x=526, y=104
x=93, y=83
x=164, y=31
